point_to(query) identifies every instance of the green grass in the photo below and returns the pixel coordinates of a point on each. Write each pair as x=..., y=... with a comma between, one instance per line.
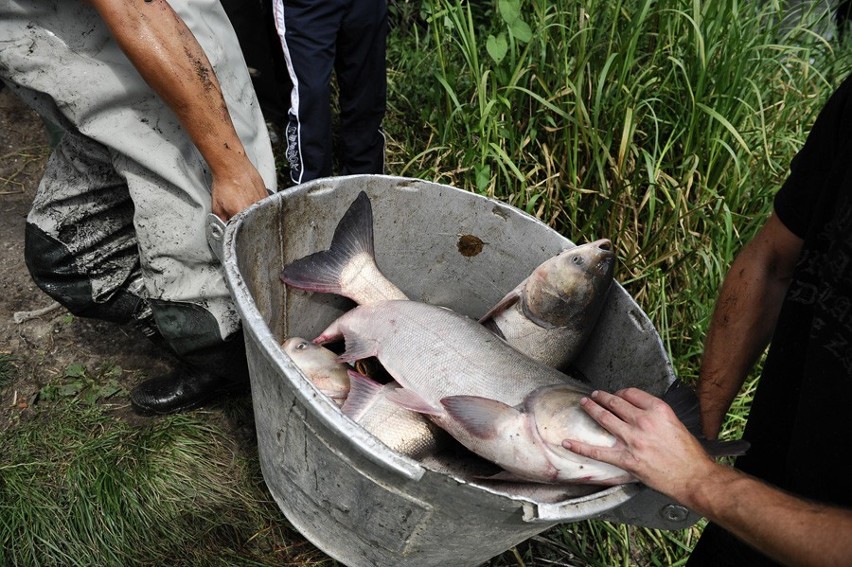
x=80, y=486
x=664, y=125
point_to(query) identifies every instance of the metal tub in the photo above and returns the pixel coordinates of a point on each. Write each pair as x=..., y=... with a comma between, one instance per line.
x=354, y=498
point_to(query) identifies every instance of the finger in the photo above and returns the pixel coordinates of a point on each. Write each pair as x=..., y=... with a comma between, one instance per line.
x=602, y=415
x=639, y=398
x=620, y=407
x=605, y=454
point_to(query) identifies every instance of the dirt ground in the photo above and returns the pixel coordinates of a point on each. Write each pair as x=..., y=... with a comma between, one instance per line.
x=44, y=344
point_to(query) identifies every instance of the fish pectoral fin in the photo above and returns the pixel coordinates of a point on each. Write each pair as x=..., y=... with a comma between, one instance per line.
x=477, y=415
x=357, y=348
x=412, y=401
x=508, y=300
x=363, y=391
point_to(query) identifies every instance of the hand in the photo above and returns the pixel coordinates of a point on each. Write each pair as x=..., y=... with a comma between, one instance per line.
x=232, y=194
x=651, y=442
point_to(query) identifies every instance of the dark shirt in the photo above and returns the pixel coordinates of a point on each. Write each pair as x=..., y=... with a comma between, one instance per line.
x=799, y=425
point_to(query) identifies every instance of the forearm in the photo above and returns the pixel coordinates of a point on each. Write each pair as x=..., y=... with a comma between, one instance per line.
x=169, y=58
x=744, y=318
x=789, y=529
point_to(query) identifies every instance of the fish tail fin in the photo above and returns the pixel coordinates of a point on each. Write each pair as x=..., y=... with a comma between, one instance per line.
x=321, y=272
x=684, y=402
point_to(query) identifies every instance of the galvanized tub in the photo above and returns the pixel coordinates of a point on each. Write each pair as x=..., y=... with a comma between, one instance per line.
x=354, y=498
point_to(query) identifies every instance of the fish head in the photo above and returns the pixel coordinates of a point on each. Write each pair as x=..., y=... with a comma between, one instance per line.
x=321, y=367
x=571, y=287
x=557, y=415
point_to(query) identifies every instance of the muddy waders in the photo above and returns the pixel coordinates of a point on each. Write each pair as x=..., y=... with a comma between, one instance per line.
x=117, y=227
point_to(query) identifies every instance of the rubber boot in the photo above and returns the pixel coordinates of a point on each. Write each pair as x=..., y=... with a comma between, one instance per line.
x=202, y=377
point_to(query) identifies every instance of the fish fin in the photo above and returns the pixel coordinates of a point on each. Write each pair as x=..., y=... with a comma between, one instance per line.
x=362, y=393
x=412, y=401
x=357, y=348
x=684, y=402
x=321, y=271
x=721, y=448
x=477, y=415
x=508, y=300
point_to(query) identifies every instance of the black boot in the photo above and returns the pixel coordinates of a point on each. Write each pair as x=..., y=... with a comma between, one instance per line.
x=205, y=376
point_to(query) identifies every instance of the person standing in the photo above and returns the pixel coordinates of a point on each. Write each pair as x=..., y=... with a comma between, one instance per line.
x=790, y=502
x=346, y=38
x=161, y=126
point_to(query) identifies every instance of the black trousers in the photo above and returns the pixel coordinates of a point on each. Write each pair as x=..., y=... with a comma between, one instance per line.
x=347, y=38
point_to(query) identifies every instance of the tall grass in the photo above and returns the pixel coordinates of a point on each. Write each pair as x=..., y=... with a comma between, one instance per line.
x=665, y=125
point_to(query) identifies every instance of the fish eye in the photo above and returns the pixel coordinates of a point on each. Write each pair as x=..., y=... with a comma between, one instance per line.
x=302, y=345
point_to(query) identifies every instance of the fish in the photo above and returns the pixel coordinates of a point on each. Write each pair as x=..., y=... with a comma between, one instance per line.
x=320, y=366
x=436, y=354
x=526, y=440
x=497, y=402
x=364, y=401
x=371, y=405
x=550, y=315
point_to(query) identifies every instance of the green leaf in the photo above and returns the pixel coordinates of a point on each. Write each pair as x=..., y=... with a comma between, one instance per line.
x=510, y=10
x=483, y=176
x=497, y=47
x=521, y=31
x=75, y=370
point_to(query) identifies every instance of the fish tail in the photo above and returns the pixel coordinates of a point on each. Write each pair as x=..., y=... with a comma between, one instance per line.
x=684, y=402
x=321, y=272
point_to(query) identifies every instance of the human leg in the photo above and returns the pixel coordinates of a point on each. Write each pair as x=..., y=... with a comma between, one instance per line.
x=152, y=192
x=308, y=32
x=362, y=79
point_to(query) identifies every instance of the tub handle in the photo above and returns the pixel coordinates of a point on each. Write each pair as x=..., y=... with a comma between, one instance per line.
x=216, y=236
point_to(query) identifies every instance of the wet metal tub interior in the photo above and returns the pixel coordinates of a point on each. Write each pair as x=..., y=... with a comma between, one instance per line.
x=350, y=495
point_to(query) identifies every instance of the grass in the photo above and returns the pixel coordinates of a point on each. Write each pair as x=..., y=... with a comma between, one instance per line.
x=664, y=125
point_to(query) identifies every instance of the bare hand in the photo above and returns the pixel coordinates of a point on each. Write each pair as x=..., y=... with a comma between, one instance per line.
x=652, y=444
x=233, y=194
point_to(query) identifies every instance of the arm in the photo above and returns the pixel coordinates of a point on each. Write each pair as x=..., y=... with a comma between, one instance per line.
x=656, y=448
x=169, y=58
x=744, y=318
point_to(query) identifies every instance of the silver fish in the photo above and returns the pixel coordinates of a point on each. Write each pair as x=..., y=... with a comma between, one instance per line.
x=497, y=402
x=321, y=367
x=435, y=353
x=365, y=401
x=550, y=314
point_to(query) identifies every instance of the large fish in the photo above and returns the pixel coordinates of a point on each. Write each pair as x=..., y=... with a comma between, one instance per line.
x=435, y=353
x=497, y=402
x=365, y=401
x=526, y=440
x=548, y=316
